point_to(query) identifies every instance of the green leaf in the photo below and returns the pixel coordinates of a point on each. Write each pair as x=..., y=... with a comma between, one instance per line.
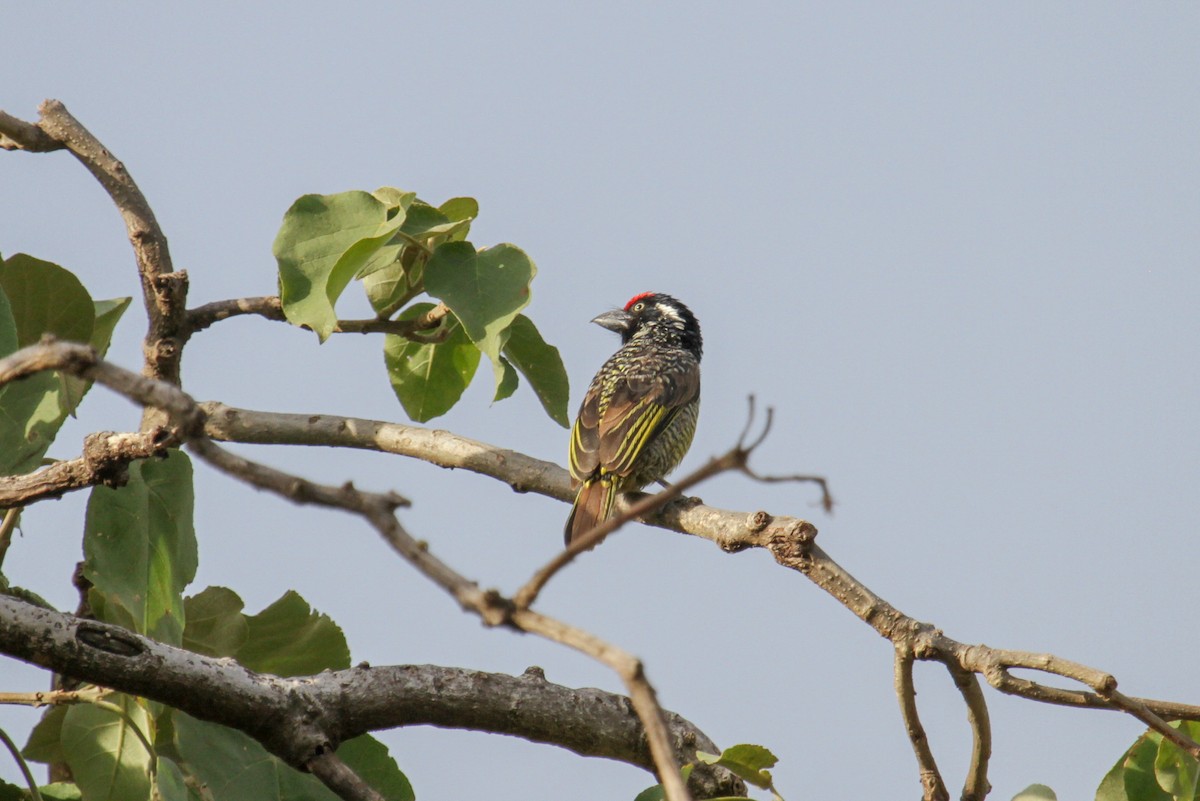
x=749, y=762
x=289, y=638
x=508, y=384
x=485, y=290
x=169, y=781
x=658, y=792
x=460, y=210
x=370, y=759
x=394, y=198
x=323, y=242
x=42, y=298
x=237, y=768
x=45, y=741
x=1140, y=781
x=387, y=285
x=215, y=623
x=1112, y=786
x=140, y=548
x=8, y=326
x=46, y=299
x=541, y=365
x=1175, y=769
x=107, y=759
x=428, y=379
x=60, y=791
x=108, y=313
x=1036, y=792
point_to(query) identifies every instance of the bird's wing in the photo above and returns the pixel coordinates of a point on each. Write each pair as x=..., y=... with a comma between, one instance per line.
x=639, y=408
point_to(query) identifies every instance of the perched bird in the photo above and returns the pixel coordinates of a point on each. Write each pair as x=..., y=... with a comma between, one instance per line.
x=639, y=414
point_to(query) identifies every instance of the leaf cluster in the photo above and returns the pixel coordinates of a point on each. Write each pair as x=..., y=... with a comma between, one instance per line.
x=400, y=248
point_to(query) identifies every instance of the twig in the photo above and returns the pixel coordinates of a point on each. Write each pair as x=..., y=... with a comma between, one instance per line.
x=976, y=786
x=30, y=781
x=202, y=317
x=733, y=459
x=17, y=134
x=338, y=777
x=271, y=308
x=8, y=525
x=932, y=786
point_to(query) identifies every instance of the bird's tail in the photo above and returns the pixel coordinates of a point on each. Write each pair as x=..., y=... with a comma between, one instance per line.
x=593, y=505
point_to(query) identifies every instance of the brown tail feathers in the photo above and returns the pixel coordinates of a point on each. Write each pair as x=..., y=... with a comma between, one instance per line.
x=593, y=504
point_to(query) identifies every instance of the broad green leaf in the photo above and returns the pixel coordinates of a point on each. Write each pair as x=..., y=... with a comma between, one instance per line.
x=386, y=286
x=237, y=768
x=657, y=792
x=459, y=210
x=323, y=242
x=11, y=792
x=508, y=384
x=1112, y=787
x=749, y=762
x=383, y=258
x=428, y=379
x=1036, y=792
x=108, y=314
x=370, y=759
x=170, y=782
x=107, y=759
x=8, y=326
x=215, y=623
x=1140, y=781
x=395, y=198
x=485, y=290
x=423, y=221
x=541, y=365
x=140, y=547
x=46, y=299
x=42, y=298
x=60, y=791
x=289, y=638
x=45, y=741
x=1175, y=769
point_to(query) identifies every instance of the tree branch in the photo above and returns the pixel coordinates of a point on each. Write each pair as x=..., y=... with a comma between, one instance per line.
x=105, y=460
x=933, y=787
x=419, y=329
x=164, y=291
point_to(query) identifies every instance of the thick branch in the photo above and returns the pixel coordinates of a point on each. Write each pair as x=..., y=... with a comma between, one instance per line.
x=17, y=134
x=588, y=722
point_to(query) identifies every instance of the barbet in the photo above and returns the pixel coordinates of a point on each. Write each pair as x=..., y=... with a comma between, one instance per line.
x=638, y=417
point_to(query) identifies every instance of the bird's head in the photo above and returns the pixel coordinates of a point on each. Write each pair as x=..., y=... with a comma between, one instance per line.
x=657, y=316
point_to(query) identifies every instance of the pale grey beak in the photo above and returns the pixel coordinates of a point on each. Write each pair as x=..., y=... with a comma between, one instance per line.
x=617, y=320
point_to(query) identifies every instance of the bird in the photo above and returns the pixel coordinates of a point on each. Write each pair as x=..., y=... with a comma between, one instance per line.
x=638, y=416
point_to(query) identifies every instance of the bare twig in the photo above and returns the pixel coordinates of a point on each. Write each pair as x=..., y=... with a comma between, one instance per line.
x=203, y=316
x=976, y=787
x=338, y=777
x=735, y=458
x=17, y=134
x=932, y=786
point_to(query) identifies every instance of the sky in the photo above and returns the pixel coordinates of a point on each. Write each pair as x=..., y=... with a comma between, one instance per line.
x=956, y=247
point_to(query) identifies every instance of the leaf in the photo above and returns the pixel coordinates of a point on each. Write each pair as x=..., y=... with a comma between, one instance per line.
x=237, y=768
x=8, y=326
x=508, y=384
x=428, y=379
x=289, y=638
x=169, y=781
x=387, y=285
x=107, y=759
x=395, y=198
x=1175, y=769
x=46, y=299
x=541, y=365
x=60, y=791
x=1140, y=781
x=485, y=290
x=1112, y=786
x=42, y=298
x=658, y=792
x=749, y=762
x=323, y=242
x=370, y=759
x=215, y=623
x=140, y=547
x=108, y=314
x=460, y=209
x=45, y=741
x=1036, y=792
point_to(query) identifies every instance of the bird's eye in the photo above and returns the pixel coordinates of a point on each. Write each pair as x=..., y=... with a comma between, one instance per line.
x=637, y=307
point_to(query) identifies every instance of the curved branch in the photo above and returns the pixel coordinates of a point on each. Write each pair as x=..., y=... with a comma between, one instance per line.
x=933, y=787
x=976, y=787
x=202, y=317
x=419, y=329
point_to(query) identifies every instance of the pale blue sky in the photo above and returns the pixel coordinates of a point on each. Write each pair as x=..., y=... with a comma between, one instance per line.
x=957, y=247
